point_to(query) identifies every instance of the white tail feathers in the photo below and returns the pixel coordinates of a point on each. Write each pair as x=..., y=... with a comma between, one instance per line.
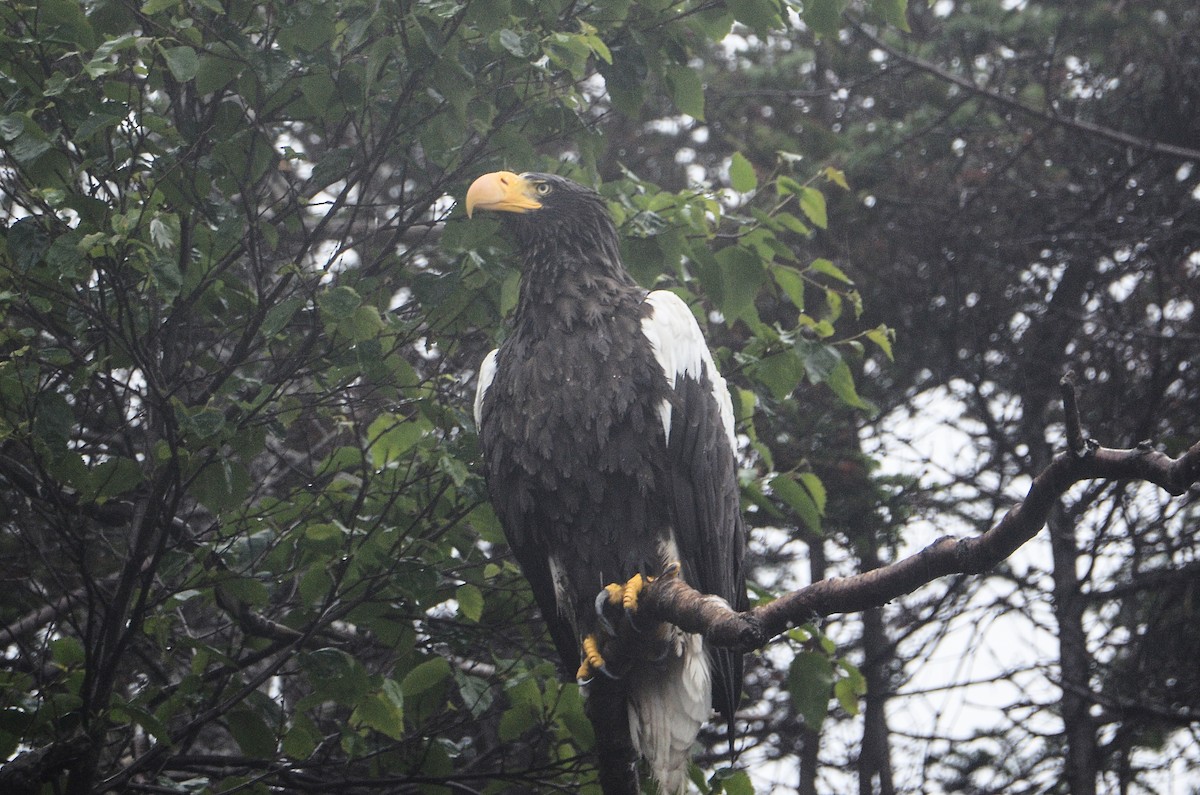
x=668, y=703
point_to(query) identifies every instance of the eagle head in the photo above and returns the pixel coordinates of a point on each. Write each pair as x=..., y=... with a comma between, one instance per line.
x=552, y=217
x=544, y=197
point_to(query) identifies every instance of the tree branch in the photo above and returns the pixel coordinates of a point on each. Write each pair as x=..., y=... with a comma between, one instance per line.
x=1097, y=130
x=671, y=599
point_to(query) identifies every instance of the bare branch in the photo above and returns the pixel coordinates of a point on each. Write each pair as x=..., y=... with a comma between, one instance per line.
x=671, y=599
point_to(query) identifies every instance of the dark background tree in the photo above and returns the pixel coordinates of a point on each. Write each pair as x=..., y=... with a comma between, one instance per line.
x=245, y=544
x=1024, y=203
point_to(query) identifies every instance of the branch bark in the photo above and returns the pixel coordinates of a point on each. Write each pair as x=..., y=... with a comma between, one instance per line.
x=672, y=600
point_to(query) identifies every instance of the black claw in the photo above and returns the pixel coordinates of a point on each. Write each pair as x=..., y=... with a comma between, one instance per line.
x=601, y=604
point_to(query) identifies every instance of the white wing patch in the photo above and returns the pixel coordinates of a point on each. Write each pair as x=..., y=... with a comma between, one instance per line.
x=487, y=372
x=680, y=349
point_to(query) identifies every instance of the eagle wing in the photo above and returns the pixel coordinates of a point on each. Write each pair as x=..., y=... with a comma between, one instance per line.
x=701, y=471
x=531, y=555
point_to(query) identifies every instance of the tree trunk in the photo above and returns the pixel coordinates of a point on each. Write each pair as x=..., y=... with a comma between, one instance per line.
x=874, y=761
x=1079, y=728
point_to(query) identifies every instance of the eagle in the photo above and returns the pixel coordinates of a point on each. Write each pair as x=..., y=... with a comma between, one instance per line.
x=608, y=444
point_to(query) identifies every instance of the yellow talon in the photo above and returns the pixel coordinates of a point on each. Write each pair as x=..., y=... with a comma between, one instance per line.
x=616, y=594
x=631, y=591
x=592, y=660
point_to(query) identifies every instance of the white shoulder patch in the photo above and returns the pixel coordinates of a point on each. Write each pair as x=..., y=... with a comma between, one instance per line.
x=487, y=372
x=682, y=352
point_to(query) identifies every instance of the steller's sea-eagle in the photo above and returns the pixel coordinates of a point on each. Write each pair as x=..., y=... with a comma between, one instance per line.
x=608, y=441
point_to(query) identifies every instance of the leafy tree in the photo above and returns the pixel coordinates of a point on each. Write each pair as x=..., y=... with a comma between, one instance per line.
x=246, y=544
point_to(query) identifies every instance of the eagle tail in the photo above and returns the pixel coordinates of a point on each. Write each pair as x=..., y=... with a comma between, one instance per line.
x=668, y=703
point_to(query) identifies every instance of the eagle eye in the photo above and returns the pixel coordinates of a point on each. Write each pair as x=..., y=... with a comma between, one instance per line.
x=543, y=188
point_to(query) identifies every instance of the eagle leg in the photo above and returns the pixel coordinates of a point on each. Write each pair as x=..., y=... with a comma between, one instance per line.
x=593, y=661
x=610, y=601
x=632, y=590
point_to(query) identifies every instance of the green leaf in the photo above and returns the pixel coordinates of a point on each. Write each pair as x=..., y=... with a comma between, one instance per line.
x=812, y=203
x=11, y=126
x=390, y=436
x=31, y=145
x=761, y=16
x=780, y=372
x=796, y=494
x=114, y=477
x=809, y=681
x=363, y=323
x=883, y=336
x=824, y=17
x=63, y=21
x=894, y=12
x=836, y=176
x=310, y=32
x=843, y=690
x=570, y=710
x=841, y=381
x=183, y=62
x=67, y=652
x=815, y=488
x=820, y=359
x=335, y=675
x=221, y=485
x=332, y=167
x=742, y=273
x=737, y=783
x=822, y=265
x=340, y=301
x=164, y=230
x=594, y=42
x=302, y=738
x=102, y=62
x=791, y=281
x=152, y=7
x=425, y=677
x=515, y=722
x=251, y=732
x=741, y=174
x=126, y=714
x=203, y=423
x=382, y=711
x=792, y=223
x=475, y=691
x=785, y=185
x=686, y=89
x=322, y=532
x=470, y=601
x=516, y=44
x=280, y=315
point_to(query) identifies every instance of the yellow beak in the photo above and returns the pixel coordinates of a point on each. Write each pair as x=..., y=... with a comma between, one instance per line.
x=502, y=190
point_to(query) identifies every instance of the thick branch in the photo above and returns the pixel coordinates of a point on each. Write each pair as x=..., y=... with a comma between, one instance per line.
x=671, y=599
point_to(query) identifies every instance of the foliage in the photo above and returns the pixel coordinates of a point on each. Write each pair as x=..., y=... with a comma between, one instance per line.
x=247, y=547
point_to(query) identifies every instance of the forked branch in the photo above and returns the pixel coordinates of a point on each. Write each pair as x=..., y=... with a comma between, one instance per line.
x=671, y=599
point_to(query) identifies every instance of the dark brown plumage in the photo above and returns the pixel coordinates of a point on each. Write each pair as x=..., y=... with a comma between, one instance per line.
x=608, y=446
